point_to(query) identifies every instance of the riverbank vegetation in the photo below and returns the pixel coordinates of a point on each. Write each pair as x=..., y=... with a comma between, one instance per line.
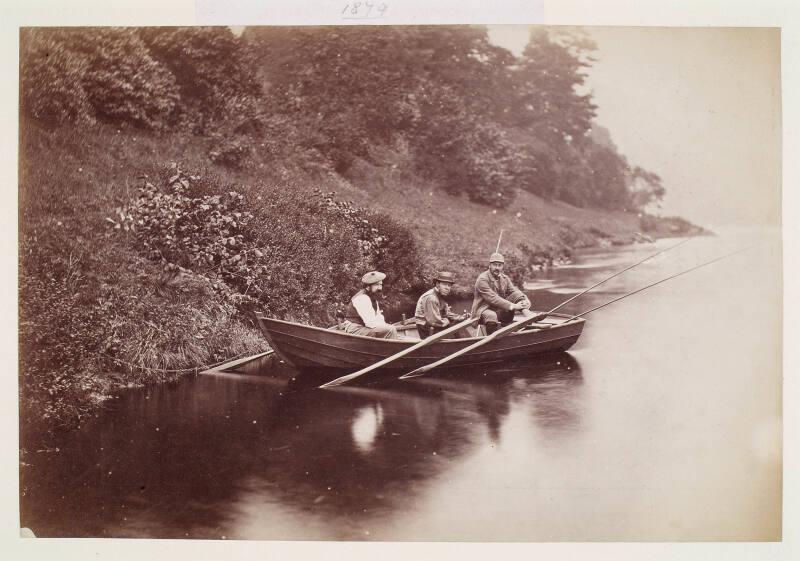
x=174, y=180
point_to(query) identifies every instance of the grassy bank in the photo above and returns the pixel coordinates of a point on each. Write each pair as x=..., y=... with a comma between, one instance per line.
x=458, y=235
x=123, y=284
x=96, y=315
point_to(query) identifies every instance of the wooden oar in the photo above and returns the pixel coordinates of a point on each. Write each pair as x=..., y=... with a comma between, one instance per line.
x=489, y=338
x=453, y=328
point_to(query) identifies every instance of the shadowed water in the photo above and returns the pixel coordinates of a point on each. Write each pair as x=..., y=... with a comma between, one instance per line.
x=663, y=423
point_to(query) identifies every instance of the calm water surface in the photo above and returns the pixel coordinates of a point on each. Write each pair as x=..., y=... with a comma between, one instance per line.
x=662, y=423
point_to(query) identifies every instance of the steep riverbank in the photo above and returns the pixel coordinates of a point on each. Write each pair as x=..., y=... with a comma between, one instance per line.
x=111, y=296
x=458, y=235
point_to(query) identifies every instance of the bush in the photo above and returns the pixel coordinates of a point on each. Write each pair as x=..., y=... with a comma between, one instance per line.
x=214, y=73
x=149, y=77
x=87, y=313
x=58, y=331
x=50, y=79
x=287, y=252
x=85, y=74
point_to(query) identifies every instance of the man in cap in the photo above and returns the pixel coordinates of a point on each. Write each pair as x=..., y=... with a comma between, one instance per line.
x=496, y=298
x=364, y=316
x=433, y=313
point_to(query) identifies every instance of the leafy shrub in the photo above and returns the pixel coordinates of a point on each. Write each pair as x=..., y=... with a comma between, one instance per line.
x=50, y=79
x=213, y=70
x=85, y=313
x=58, y=335
x=148, y=77
x=287, y=252
x=85, y=74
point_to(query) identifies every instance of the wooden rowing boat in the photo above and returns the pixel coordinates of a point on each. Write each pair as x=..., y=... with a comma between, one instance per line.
x=308, y=347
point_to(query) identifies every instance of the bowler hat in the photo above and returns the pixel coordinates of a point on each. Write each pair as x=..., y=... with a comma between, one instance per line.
x=372, y=277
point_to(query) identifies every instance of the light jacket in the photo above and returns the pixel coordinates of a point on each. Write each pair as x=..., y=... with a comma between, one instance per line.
x=499, y=294
x=432, y=309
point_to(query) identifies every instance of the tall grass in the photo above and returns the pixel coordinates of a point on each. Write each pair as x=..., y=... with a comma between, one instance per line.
x=95, y=314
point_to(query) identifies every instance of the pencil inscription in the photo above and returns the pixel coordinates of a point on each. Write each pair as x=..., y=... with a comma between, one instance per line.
x=364, y=10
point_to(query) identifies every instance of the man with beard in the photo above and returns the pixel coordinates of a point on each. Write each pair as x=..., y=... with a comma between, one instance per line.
x=364, y=316
x=433, y=313
x=496, y=298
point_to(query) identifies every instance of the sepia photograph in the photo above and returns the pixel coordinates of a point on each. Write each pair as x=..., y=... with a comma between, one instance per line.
x=374, y=282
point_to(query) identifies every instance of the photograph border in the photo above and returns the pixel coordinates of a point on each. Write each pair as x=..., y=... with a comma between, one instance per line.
x=772, y=13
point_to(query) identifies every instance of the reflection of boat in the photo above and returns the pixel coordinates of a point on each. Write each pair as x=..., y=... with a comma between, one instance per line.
x=307, y=347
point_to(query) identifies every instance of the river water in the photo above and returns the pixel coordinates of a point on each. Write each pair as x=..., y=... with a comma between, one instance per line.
x=663, y=423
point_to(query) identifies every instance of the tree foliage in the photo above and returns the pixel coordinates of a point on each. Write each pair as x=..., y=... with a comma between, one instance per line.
x=149, y=77
x=478, y=121
x=547, y=82
x=83, y=75
x=213, y=71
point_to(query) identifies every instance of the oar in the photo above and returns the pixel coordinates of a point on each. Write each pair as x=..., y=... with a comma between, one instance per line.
x=489, y=338
x=522, y=323
x=404, y=352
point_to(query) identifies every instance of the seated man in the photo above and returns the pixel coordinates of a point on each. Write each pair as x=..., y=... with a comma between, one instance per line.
x=364, y=316
x=496, y=298
x=433, y=313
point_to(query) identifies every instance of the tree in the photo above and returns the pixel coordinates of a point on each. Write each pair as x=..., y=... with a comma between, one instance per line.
x=463, y=153
x=547, y=80
x=645, y=188
x=346, y=88
x=439, y=88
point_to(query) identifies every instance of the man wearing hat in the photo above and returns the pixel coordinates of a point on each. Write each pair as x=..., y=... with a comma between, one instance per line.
x=433, y=313
x=364, y=316
x=496, y=298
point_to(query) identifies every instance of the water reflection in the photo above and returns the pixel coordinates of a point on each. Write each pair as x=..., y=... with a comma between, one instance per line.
x=367, y=422
x=658, y=415
x=263, y=456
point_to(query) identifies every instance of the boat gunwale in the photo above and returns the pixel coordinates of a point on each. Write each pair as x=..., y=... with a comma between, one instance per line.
x=477, y=354
x=573, y=320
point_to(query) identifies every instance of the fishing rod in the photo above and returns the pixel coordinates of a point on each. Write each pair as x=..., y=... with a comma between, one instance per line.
x=564, y=303
x=518, y=324
x=661, y=281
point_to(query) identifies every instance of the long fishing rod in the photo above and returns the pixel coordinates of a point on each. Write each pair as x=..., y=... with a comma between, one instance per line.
x=661, y=281
x=564, y=303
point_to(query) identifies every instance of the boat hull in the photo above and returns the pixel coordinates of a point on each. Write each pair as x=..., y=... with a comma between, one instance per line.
x=308, y=347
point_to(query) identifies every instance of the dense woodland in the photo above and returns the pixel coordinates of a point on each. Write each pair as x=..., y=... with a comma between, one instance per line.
x=473, y=118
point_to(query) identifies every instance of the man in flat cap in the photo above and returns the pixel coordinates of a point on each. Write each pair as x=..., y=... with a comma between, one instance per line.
x=364, y=316
x=496, y=298
x=433, y=313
